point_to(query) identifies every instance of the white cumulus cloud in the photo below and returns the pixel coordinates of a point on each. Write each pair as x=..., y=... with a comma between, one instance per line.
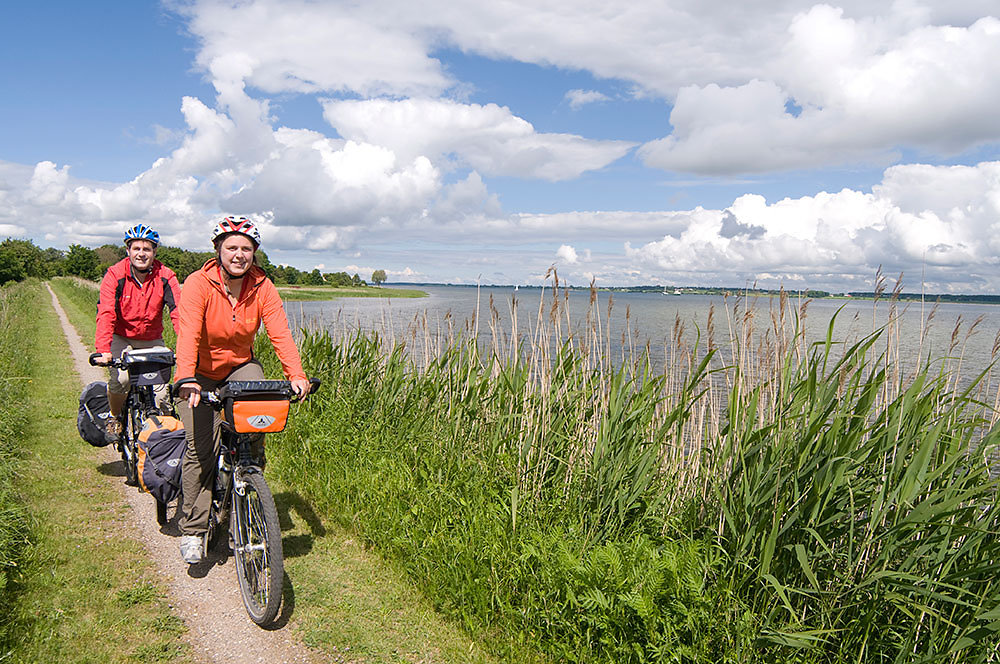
x=567, y=254
x=578, y=98
x=487, y=137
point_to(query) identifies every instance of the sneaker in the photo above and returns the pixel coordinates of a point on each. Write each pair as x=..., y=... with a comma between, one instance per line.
x=191, y=549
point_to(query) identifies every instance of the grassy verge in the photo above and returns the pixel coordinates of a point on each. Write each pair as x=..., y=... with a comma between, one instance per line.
x=347, y=601
x=85, y=591
x=15, y=529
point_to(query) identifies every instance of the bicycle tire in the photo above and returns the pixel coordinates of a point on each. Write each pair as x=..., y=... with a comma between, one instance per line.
x=260, y=564
x=130, y=437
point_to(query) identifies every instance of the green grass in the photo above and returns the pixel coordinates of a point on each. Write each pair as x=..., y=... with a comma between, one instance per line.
x=85, y=591
x=15, y=316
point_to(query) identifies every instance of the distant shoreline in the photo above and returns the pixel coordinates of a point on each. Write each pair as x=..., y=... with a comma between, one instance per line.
x=299, y=293
x=756, y=292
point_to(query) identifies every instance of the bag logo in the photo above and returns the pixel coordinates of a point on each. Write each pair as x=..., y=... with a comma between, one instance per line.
x=151, y=375
x=260, y=421
x=173, y=463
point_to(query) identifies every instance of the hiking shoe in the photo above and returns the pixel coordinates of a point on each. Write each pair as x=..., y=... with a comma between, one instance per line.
x=113, y=431
x=191, y=549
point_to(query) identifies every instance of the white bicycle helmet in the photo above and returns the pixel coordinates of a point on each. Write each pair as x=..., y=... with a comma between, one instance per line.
x=240, y=225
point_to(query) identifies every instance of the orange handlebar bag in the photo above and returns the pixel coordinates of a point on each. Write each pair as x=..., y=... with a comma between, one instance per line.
x=256, y=415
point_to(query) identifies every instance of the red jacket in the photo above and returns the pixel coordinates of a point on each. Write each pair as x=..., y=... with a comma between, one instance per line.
x=133, y=310
x=215, y=337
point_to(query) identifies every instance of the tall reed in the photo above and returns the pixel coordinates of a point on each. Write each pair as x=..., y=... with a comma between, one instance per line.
x=760, y=497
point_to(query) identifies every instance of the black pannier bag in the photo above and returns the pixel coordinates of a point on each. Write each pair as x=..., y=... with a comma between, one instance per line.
x=149, y=366
x=161, y=447
x=94, y=414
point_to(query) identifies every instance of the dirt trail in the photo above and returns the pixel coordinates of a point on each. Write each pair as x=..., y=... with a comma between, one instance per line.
x=205, y=596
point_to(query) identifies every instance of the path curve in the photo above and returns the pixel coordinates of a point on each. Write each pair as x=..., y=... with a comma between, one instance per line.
x=205, y=596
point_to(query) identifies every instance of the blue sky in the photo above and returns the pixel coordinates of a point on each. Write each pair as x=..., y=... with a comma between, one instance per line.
x=780, y=142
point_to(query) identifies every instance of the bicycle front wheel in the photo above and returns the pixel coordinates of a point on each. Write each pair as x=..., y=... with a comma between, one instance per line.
x=130, y=450
x=260, y=565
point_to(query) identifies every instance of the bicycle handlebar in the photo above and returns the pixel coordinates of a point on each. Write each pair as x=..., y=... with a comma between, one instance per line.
x=114, y=362
x=212, y=396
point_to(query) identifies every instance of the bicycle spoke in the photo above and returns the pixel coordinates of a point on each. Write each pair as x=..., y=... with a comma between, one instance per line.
x=258, y=549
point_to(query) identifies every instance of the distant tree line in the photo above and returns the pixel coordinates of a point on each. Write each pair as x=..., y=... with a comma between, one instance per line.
x=21, y=259
x=940, y=297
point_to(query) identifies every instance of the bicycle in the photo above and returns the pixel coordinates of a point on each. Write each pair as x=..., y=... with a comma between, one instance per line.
x=240, y=493
x=146, y=368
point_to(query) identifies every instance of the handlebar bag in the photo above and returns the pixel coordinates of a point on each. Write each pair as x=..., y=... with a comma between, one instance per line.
x=256, y=406
x=161, y=447
x=149, y=366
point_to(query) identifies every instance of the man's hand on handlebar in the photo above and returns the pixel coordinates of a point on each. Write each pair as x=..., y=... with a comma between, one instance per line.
x=103, y=360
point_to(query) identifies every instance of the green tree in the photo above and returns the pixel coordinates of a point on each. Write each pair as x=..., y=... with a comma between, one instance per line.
x=81, y=262
x=108, y=255
x=356, y=280
x=53, y=259
x=265, y=264
x=315, y=278
x=20, y=259
x=182, y=261
x=378, y=277
x=290, y=275
x=338, y=279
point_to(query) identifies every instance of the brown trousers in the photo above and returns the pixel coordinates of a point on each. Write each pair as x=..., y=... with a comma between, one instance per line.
x=202, y=425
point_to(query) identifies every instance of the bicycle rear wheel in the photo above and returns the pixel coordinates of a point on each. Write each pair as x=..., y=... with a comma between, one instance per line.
x=260, y=564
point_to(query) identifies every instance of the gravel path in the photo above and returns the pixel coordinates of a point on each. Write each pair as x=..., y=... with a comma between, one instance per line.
x=206, y=596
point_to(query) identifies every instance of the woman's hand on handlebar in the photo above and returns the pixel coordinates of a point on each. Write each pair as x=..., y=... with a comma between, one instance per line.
x=191, y=392
x=301, y=387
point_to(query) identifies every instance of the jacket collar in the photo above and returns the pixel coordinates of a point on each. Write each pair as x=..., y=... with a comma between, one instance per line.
x=154, y=270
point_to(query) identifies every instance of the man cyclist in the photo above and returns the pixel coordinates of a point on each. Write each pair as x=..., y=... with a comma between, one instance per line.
x=134, y=292
x=221, y=309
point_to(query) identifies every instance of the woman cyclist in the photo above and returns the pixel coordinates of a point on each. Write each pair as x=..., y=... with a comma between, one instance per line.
x=221, y=308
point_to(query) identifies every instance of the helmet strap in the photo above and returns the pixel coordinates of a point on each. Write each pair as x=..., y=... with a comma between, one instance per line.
x=227, y=278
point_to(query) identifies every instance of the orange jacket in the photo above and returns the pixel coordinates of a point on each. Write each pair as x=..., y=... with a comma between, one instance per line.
x=215, y=337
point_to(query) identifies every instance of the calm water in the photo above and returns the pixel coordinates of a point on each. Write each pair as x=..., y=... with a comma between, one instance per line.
x=651, y=317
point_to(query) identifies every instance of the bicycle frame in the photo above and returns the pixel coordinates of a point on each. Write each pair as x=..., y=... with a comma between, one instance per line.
x=235, y=460
x=140, y=403
x=240, y=491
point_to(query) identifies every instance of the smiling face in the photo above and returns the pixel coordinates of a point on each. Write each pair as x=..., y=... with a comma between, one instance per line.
x=236, y=254
x=141, y=254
